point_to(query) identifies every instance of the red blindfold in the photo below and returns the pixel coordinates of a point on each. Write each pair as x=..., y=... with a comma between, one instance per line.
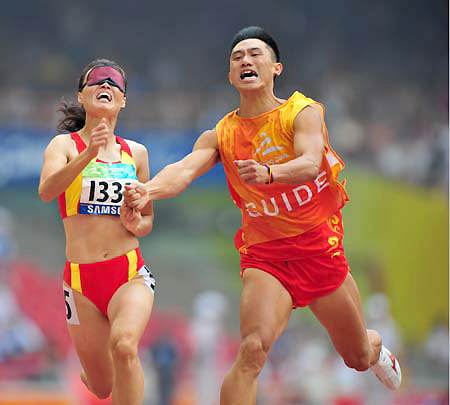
x=102, y=74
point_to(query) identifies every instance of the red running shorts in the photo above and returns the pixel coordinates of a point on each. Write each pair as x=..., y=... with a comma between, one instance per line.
x=315, y=272
x=99, y=281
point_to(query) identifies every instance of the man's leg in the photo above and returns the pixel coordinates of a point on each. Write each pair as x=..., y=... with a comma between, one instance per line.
x=265, y=310
x=342, y=315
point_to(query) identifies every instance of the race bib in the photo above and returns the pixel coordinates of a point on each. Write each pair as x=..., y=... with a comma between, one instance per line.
x=102, y=187
x=102, y=196
x=71, y=309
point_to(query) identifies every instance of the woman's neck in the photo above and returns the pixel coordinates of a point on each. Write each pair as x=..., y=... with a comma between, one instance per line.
x=92, y=123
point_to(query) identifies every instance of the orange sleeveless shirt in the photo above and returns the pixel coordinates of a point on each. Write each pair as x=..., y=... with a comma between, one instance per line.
x=275, y=211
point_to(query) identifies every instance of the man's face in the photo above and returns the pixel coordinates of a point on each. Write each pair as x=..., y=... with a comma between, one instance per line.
x=253, y=65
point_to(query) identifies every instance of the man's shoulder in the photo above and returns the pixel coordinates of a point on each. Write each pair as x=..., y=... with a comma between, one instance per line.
x=229, y=115
x=299, y=98
x=226, y=120
x=297, y=103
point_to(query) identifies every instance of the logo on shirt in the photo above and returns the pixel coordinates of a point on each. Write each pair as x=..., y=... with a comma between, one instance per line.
x=99, y=209
x=266, y=147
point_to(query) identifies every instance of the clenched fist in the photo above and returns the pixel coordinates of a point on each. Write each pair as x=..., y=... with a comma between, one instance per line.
x=252, y=172
x=136, y=196
x=99, y=138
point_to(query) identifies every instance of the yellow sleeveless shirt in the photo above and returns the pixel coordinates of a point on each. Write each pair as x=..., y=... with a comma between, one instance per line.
x=278, y=210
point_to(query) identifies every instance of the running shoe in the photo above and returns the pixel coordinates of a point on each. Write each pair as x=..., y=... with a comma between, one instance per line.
x=387, y=369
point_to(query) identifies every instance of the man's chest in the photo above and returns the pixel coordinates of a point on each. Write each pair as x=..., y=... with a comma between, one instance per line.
x=267, y=144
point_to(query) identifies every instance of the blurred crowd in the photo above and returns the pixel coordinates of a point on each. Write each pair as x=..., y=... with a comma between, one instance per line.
x=381, y=72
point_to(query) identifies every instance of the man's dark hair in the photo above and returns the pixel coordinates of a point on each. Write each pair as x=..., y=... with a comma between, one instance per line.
x=258, y=33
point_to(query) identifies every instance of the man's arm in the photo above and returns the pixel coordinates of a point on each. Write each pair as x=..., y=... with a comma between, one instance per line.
x=176, y=177
x=308, y=145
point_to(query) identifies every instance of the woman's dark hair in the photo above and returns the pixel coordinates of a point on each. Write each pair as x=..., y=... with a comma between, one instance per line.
x=74, y=115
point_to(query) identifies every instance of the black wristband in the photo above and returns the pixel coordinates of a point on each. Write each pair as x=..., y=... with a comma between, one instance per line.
x=269, y=171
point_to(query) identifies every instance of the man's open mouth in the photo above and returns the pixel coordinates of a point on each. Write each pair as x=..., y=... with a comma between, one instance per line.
x=248, y=73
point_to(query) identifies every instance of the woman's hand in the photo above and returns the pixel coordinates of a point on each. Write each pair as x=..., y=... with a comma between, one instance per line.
x=130, y=218
x=99, y=138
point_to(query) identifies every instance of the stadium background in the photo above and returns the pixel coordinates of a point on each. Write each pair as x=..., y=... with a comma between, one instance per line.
x=381, y=69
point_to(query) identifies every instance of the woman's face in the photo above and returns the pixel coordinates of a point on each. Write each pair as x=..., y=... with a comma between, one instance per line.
x=102, y=94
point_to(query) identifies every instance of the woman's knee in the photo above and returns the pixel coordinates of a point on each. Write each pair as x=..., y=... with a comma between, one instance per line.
x=101, y=392
x=101, y=389
x=124, y=348
x=253, y=352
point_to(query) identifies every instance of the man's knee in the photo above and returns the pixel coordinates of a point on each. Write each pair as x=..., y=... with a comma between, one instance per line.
x=253, y=353
x=358, y=360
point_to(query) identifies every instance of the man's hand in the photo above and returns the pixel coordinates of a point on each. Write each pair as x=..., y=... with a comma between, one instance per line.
x=252, y=172
x=135, y=196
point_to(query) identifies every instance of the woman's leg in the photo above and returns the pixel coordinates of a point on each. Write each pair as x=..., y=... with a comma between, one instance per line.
x=128, y=311
x=90, y=337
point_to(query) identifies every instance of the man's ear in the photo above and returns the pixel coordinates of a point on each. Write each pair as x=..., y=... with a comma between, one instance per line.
x=278, y=69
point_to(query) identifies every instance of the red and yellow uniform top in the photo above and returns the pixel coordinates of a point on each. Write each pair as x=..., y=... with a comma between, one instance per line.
x=98, y=189
x=274, y=211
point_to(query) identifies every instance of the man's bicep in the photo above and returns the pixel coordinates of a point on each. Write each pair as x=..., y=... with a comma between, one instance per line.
x=308, y=134
x=205, y=153
x=200, y=161
x=207, y=140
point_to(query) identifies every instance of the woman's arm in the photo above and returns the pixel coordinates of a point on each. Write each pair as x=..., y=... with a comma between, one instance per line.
x=58, y=172
x=140, y=223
